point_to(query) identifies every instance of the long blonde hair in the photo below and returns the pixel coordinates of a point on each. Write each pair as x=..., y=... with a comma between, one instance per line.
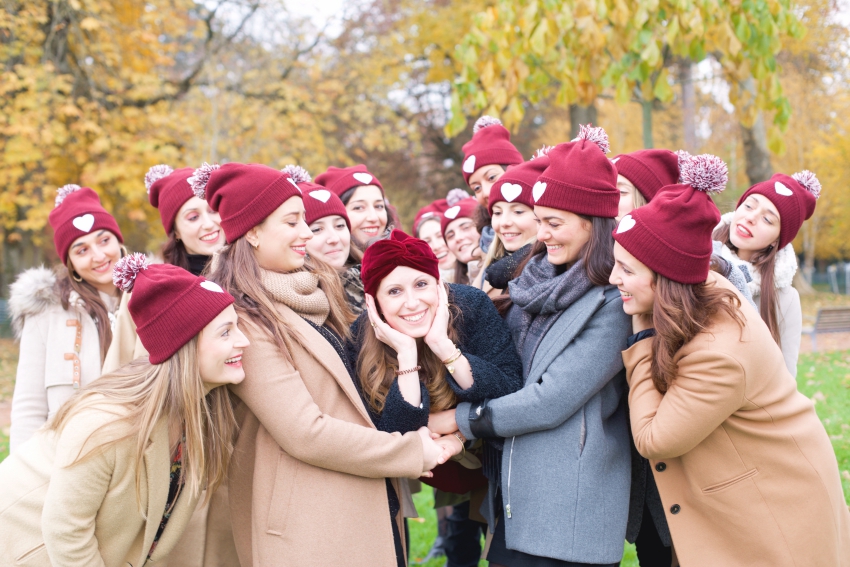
x=140, y=395
x=377, y=364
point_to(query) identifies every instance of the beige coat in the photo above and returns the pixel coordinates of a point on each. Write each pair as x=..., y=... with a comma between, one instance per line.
x=49, y=358
x=746, y=471
x=307, y=481
x=86, y=514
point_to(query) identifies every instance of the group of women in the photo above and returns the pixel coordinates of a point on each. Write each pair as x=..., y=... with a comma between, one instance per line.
x=584, y=346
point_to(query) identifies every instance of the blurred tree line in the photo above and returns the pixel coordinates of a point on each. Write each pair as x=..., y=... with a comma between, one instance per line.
x=96, y=91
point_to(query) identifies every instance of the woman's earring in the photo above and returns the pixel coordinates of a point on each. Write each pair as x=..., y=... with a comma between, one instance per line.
x=76, y=276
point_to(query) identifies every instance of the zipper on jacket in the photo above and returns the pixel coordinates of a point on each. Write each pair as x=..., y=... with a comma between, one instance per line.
x=510, y=465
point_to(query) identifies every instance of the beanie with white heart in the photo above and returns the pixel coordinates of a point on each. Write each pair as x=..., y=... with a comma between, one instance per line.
x=490, y=145
x=464, y=209
x=338, y=180
x=515, y=186
x=318, y=201
x=78, y=212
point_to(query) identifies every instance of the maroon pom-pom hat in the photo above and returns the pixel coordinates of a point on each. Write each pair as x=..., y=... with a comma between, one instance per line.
x=649, y=170
x=490, y=145
x=433, y=210
x=338, y=180
x=318, y=201
x=78, y=212
x=169, y=305
x=399, y=249
x=168, y=190
x=671, y=235
x=795, y=198
x=464, y=209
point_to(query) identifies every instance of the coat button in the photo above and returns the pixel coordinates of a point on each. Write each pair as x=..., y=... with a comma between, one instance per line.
x=675, y=509
x=661, y=467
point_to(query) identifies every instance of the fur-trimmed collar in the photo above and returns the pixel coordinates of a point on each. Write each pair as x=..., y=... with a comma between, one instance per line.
x=783, y=271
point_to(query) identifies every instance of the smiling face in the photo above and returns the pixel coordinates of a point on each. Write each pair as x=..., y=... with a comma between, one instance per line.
x=220, y=347
x=629, y=197
x=93, y=256
x=331, y=242
x=755, y=226
x=280, y=242
x=564, y=234
x=199, y=227
x=462, y=240
x=367, y=212
x=635, y=281
x=429, y=231
x=408, y=300
x=482, y=180
x=515, y=224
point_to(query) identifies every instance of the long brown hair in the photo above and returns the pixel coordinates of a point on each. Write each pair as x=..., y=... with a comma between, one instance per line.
x=174, y=252
x=140, y=394
x=94, y=305
x=377, y=365
x=765, y=262
x=235, y=268
x=680, y=312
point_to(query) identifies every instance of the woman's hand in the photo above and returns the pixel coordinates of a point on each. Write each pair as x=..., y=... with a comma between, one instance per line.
x=451, y=445
x=443, y=422
x=434, y=453
x=397, y=341
x=437, y=337
x=641, y=322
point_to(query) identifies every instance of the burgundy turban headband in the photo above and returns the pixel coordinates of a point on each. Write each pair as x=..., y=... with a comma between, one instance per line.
x=384, y=256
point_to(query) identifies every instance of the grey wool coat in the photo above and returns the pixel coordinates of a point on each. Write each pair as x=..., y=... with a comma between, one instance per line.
x=566, y=468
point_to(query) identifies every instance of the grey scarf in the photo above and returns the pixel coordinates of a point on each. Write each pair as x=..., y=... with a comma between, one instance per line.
x=539, y=296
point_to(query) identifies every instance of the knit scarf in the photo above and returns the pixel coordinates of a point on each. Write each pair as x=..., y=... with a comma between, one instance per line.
x=541, y=296
x=300, y=292
x=783, y=271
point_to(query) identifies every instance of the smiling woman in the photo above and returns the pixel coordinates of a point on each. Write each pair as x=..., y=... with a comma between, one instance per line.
x=364, y=200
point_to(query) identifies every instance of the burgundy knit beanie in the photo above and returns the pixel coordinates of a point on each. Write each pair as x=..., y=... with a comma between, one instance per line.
x=318, y=201
x=168, y=189
x=465, y=209
x=516, y=184
x=490, y=145
x=433, y=210
x=243, y=194
x=649, y=170
x=338, y=180
x=78, y=212
x=671, y=234
x=580, y=179
x=795, y=198
x=169, y=305
x=399, y=249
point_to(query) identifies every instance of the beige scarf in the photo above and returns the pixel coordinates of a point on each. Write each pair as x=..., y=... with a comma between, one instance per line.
x=300, y=292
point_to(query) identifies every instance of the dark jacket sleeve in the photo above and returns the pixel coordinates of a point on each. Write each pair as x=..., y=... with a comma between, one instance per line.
x=485, y=341
x=398, y=414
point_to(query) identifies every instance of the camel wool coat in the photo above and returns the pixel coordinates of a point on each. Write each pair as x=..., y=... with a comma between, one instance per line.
x=746, y=471
x=307, y=480
x=86, y=514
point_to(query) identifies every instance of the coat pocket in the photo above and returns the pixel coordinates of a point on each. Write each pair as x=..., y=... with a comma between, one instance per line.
x=32, y=554
x=731, y=482
x=284, y=483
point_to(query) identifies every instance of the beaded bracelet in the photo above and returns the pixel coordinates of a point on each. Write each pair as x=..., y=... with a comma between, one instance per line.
x=410, y=371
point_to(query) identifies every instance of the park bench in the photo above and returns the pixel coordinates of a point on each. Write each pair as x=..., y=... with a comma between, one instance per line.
x=830, y=320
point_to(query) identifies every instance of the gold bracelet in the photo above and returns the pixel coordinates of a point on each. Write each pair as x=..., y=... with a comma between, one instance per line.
x=462, y=445
x=449, y=362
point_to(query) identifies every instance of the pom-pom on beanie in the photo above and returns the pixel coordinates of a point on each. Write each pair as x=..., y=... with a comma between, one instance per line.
x=671, y=235
x=580, y=179
x=168, y=190
x=78, y=212
x=649, y=170
x=464, y=209
x=433, y=210
x=169, y=305
x=243, y=194
x=490, y=145
x=515, y=186
x=795, y=198
x=338, y=180
x=399, y=249
x=318, y=201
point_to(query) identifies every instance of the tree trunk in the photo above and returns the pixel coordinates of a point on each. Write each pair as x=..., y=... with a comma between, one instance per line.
x=756, y=153
x=688, y=105
x=646, y=107
x=581, y=115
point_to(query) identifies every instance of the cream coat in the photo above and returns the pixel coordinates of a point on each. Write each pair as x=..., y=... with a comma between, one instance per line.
x=307, y=481
x=47, y=332
x=746, y=471
x=86, y=514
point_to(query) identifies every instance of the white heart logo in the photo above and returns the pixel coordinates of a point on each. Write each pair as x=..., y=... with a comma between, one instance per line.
x=211, y=286
x=452, y=213
x=321, y=195
x=615, y=160
x=469, y=164
x=511, y=191
x=626, y=223
x=294, y=183
x=84, y=222
x=782, y=189
x=538, y=190
x=363, y=178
